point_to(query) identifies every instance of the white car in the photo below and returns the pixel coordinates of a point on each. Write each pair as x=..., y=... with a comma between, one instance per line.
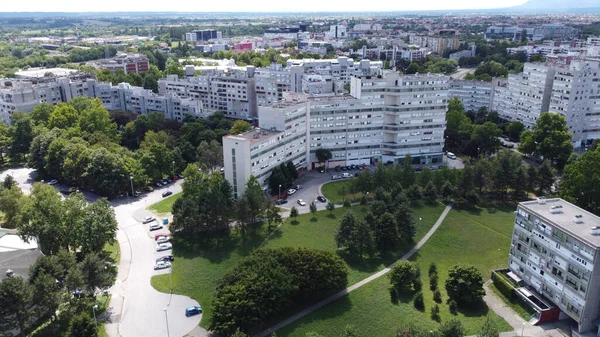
x=163, y=246
x=451, y=155
x=291, y=191
x=162, y=265
x=301, y=202
x=155, y=226
x=163, y=239
x=53, y=182
x=148, y=219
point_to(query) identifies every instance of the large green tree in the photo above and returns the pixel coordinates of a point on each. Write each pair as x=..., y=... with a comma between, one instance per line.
x=465, y=285
x=549, y=138
x=581, y=181
x=15, y=296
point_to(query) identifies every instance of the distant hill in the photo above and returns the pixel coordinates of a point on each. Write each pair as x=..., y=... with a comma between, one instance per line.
x=555, y=5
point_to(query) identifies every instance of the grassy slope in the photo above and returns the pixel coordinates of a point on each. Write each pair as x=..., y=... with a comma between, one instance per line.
x=480, y=238
x=331, y=191
x=165, y=205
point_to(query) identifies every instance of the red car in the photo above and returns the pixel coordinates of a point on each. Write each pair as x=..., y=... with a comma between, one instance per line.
x=160, y=235
x=283, y=196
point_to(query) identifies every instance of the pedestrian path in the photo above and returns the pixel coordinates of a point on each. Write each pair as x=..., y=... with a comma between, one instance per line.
x=359, y=284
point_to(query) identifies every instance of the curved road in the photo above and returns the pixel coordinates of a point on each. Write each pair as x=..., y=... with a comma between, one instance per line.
x=137, y=309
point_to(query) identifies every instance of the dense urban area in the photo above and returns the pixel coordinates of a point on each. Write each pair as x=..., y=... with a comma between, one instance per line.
x=351, y=174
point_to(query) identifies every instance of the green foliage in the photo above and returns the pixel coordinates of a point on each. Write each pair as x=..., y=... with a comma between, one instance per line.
x=15, y=295
x=581, y=183
x=83, y=325
x=239, y=127
x=294, y=212
x=402, y=276
x=504, y=286
x=465, y=285
x=437, y=296
x=453, y=307
x=330, y=207
x=488, y=329
x=452, y=328
x=435, y=313
x=418, y=301
x=270, y=281
x=323, y=155
x=549, y=138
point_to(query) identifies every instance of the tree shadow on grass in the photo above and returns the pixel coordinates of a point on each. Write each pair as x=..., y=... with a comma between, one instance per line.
x=314, y=219
x=479, y=309
x=331, y=216
x=342, y=305
x=469, y=208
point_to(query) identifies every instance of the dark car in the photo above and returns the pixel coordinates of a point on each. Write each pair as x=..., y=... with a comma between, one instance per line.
x=281, y=202
x=191, y=311
x=169, y=181
x=344, y=168
x=166, y=258
x=321, y=198
x=166, y=194
x=338, y=169
x=419, y=169
x=157, y=184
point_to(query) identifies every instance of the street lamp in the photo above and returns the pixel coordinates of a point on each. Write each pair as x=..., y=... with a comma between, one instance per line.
x=94, y=307
x=279, y=196
x=167, y=320
x=131, y=180
x=173, y=168
x=523, y=329
x=170, y=278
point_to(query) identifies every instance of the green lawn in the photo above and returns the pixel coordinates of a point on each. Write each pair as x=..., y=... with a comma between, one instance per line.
x=332, y=191
x=165, y=205
x=479, y=237
x=197, y=268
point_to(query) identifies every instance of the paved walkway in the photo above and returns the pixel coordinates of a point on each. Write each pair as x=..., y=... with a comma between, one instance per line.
x=359, y=284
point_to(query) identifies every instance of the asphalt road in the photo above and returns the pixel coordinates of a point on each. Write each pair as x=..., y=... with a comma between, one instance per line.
x=461, y=73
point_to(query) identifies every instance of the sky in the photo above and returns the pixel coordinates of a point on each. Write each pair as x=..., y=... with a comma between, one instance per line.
x=247, y=6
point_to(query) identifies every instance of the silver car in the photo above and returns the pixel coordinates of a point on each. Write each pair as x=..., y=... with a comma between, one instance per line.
x=163, y=246
x=162, y=265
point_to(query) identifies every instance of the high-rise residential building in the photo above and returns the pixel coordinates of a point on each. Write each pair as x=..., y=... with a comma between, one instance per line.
x=554, y=257
x=526, y=95
x=475, y=94
x=280, y=138
x=384, y=120
x=554, y=31
x=436, y=43
x=337, y=32
x=203, y=35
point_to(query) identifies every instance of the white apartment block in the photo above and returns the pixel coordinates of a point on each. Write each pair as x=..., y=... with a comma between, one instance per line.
x=281, y=137
x=340, y=69
x=526, y=95
x=337, y=32
x=554, y=251
x=437, y=44
x=232, y=91
x=475, y=94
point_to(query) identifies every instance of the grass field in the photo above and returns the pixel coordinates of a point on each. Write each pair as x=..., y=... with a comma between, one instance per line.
x=165, y=205
x=479, y=237
x=197, y=268
x=332, y=191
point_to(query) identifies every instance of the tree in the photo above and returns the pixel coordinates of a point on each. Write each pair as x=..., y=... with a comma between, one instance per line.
x=255, y=197
x=46, y=295
x=174, y=68
x=362, y=241
x=210, y=154
x=405, y=222
x=452, y=328
x=435, y=313
x=488, y=329
x=12, y=202
x=414, y=192
x=418, y=301
x=581, y=182
x=272, y=215
x=313, y=209
x=549, y=138
x=330, y=207
x=294, y=213
x=447, y=189
x=545, y=178
x=82, y=325
x=343, y=236
x=402, y=276
x=486, y=136
x=430, y=192
x=514, y=130
x=41, y=113
x=239, y=127
x=292, y=170
x=97, y=228
x=323, y=155
x=21, y=135
x=63, y=116
x=15, y=295
x=97, y=272
x=386, y=232
x=465, y=285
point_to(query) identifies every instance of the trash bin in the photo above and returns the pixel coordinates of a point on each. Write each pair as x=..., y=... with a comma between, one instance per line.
x=165, y=221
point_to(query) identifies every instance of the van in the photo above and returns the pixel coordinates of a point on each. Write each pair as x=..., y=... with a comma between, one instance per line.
x=346, y=175
x=451, y=155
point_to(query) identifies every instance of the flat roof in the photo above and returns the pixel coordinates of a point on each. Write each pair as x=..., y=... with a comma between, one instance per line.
x=39, y=72
x=256, y=135
x=564, y=219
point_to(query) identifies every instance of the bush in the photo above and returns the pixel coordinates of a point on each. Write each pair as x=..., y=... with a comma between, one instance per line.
x=435, y=313
x=453, y=307
x=433, y=282
x=347, y=204
x=503, y=286
x=402, y=276
x=465, y=285
x=432, y=269
x=452, y=328
x=417, y=284
x=437, y=296
x=418, y=301
x=271, y=281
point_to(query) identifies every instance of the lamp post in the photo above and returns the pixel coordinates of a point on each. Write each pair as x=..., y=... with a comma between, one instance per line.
x=170, y=278
x=94, y=307
x=167, y=321
x=131, y=180
x=279, y=195
x=173, y=168
x=523, y=329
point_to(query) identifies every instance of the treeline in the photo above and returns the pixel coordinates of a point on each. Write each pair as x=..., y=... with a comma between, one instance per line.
x=431, y=65
x=270, y=282
x=72, y=235
x=81, y=144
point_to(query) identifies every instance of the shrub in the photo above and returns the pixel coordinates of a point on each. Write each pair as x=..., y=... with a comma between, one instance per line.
x=503, y=286
x=417, y=284
x=452, y=328
x=402, y=276
x=453, y=307
x=437, y=296
x=433, y=282
x=418, y=301
x=432, y=269
x=435, y=313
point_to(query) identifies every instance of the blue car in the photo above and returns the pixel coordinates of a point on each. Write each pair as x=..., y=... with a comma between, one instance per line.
x=191, y=311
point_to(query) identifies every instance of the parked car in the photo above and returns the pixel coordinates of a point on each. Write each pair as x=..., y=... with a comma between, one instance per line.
x=164, y=182
x=283, y=196
x=335, y=177
x=166, y=194
x=338, y=168
x=162, y=265
x=321, y=198
x=191, y=311
x=301, y=202
x=291, y=191
x=163, y=239
x=346, y=175
x=169, y=181
x=364, y=165
x=433, y=167
x=157, y=184
x=10, y=272
x=148, y=219
x=281, y=202
x=169, y=258
x=180, y=176
x=451, y=155
x=298, y=187
x=344, y=168
x=53, y=182
x=159, y=235
x=155, y=226
x=164, y=246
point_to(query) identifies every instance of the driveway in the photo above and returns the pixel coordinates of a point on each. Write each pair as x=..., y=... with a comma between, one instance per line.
x=137, y=309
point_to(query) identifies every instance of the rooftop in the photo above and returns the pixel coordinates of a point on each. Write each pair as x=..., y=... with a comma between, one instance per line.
x=255, y=135
x=40, y=72
x=563, y=215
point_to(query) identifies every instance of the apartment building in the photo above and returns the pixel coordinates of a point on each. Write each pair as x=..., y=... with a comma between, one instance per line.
x=340, y=69
x=554, y=31
x=435, y=43
x=203, y=35
x=526, y=95
x=475, y=94
x=231, y=90
x=281, y=137
x=554, y=251
x=129, y=63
